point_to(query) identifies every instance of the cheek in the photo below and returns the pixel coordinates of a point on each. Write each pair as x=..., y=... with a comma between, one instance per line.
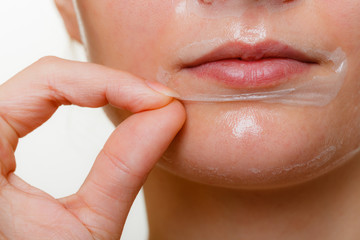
x=342, y=19
x=132, y=35
x=139, y=21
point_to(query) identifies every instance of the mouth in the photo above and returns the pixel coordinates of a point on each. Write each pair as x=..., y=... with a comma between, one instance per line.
x=244, y=66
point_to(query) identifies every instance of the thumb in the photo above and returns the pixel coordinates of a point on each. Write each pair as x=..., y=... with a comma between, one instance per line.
x=121, y=168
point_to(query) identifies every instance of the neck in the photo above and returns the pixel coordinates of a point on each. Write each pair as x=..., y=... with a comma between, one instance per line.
x=325, y=208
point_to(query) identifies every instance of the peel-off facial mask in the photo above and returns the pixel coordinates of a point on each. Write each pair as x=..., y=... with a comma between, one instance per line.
x=314, y=85
x=254, y=56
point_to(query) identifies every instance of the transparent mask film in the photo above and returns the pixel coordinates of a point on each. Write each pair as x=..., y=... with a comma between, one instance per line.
x=317, y=85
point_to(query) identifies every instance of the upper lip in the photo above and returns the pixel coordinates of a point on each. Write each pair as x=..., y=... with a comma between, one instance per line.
x=247, y=52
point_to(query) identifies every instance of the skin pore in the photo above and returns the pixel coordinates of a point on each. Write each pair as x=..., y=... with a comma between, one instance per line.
x=202, y=188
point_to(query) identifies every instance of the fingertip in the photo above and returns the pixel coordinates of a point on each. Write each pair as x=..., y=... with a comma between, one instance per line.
x=158, y=87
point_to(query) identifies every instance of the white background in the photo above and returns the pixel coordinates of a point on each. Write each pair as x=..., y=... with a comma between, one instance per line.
x=57, y=156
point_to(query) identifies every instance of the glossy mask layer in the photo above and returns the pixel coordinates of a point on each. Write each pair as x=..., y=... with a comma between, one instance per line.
x=279, y=80
x=257, y=54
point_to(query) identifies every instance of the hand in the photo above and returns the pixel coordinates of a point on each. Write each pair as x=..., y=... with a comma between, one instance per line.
x=100, y=207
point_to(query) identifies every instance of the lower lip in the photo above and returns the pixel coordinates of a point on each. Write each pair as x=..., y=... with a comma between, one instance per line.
x=237, y=73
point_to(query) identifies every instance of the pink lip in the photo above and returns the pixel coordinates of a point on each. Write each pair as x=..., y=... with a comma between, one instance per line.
x=238, y=65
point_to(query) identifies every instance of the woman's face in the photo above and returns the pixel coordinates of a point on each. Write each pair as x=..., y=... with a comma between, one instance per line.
x=243, y=144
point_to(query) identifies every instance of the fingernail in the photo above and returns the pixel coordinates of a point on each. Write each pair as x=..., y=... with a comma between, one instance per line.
x=158, y=87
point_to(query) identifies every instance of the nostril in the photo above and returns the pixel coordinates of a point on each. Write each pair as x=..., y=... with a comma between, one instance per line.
x=206, y=1
x=209, y=2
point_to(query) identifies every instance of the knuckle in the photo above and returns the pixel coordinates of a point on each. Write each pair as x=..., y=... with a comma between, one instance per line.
x=49, y=67
x=46, y=65
x=7, y=161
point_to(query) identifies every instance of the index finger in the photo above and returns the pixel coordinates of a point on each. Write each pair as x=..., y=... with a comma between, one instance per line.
x=32, y=96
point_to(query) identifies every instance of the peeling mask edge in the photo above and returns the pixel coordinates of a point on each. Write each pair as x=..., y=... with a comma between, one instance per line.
x=318, y=91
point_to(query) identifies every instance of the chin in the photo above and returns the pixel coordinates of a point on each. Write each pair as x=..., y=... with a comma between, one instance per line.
x=253, y=145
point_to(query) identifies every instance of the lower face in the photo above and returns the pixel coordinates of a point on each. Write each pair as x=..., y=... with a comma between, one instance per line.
x=243, y=144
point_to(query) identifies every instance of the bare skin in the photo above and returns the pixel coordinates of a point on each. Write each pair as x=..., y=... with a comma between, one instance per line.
x=326, y=208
